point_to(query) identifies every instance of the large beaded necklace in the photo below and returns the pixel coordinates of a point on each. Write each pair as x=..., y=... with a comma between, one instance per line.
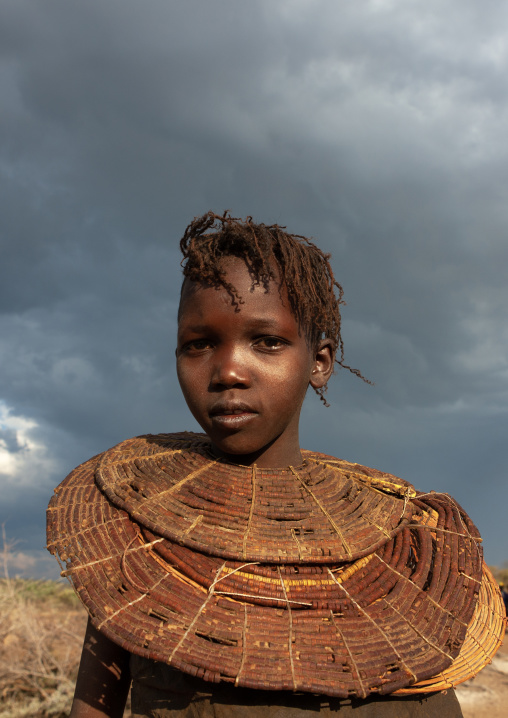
x=328, y=577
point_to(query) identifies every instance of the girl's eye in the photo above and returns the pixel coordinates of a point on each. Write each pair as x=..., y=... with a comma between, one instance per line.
x=270, y=343
x=197, y=345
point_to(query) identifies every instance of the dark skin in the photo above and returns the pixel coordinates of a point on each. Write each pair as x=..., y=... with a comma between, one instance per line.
x=244, y=372
x=103, y=678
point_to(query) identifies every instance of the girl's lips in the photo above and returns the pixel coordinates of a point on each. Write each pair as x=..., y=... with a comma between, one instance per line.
x=233, y=420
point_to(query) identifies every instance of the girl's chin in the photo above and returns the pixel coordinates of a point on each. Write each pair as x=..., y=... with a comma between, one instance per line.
x=263, y=455
x=235, y=452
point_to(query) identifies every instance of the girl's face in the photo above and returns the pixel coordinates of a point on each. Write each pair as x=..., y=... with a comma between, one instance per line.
x=244, y=371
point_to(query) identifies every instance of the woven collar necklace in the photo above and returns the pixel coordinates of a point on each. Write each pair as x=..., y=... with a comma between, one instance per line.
x=328, y=577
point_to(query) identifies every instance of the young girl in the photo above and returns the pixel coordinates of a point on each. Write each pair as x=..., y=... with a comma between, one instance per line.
x=231, y=573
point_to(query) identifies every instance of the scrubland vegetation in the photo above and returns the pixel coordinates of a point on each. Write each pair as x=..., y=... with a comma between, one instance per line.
x=41, y=632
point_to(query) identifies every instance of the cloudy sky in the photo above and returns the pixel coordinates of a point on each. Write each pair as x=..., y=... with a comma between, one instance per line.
x=377, y=127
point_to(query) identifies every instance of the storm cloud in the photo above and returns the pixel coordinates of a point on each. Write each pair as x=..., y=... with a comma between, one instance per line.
x=378, y=128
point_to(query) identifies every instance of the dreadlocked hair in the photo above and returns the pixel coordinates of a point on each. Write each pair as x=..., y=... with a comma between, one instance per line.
x=270, y=253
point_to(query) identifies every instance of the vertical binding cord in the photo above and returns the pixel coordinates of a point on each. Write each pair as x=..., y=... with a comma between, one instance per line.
x=363, y=692
x=198, y=613
x=378, y=627
x=290, y=638
x=322, y=508
x=251, y=513
x=244, y=644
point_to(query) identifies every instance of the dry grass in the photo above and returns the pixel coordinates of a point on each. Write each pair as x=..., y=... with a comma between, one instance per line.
x=42, y=625
x=41, y=632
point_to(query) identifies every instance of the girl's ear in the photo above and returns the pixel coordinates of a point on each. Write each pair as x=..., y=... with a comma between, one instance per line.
x=322, y=367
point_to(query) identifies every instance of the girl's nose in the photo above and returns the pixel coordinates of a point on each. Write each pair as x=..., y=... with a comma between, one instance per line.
x=230, y=369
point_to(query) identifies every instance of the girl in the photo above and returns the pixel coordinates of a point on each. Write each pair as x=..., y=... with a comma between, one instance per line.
x=231, y=572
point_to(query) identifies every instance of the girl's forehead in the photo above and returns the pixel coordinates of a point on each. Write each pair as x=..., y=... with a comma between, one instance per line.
x=242, y=289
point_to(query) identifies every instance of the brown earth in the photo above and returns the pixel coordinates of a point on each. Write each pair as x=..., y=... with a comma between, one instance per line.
x=486, y=696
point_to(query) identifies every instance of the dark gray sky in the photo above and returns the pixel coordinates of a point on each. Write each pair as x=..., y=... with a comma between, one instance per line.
x=378, y=128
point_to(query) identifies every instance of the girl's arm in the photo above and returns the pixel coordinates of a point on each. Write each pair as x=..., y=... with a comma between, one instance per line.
x=103, y=678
